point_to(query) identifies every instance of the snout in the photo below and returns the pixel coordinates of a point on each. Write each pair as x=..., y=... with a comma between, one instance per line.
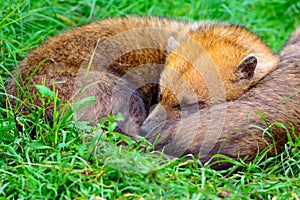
x=155, y=119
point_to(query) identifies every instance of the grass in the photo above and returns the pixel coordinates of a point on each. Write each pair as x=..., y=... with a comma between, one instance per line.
x=71, y=160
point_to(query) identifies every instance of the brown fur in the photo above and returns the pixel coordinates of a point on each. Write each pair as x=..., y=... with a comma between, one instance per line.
x=68, y=51
x=230, y=128
x=116, y=95
x=121, y=47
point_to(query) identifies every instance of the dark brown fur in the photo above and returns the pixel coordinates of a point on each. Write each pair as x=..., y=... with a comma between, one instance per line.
x=230, y=128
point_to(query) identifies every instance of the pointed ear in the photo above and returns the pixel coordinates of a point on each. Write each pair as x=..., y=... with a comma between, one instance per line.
x=172, y=44
x=245, y=70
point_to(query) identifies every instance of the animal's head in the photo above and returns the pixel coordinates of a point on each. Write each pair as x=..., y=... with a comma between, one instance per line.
x=214, y=63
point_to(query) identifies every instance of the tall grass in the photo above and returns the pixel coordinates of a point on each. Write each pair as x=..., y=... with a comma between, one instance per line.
x=72, y=160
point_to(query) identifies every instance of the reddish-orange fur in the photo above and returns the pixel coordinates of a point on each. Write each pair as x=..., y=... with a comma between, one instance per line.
x=218, y=80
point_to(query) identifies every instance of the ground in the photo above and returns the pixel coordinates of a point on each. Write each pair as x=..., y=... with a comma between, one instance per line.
x=69, y=160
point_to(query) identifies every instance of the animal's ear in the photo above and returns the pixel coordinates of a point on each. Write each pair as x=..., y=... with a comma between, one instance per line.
x=245, y=70
x=172, y=44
